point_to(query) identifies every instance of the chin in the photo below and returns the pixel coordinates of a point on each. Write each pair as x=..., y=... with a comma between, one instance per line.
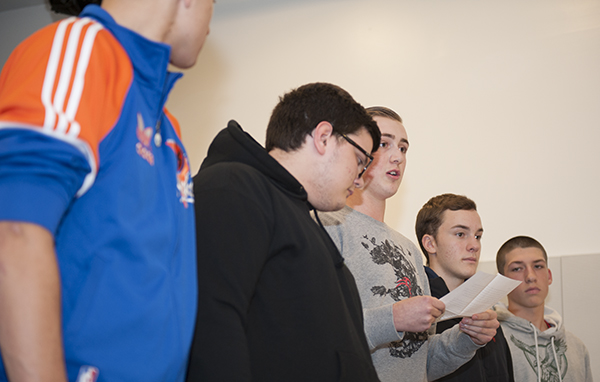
x=183, y=64
x=184, y=60
x=332, y=206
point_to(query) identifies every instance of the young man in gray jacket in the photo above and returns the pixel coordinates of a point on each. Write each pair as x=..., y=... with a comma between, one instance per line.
x=541, y=348
x=398, y=308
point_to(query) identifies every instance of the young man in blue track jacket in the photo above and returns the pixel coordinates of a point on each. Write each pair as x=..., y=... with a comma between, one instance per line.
x=97, y=239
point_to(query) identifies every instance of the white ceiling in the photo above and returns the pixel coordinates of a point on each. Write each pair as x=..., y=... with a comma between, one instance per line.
x=7, y=5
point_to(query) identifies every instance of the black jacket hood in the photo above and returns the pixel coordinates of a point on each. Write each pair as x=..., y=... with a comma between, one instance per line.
x=233, y=144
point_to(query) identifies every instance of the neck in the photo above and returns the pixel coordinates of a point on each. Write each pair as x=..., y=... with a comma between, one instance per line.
x=534, y=315
x=289, y=161
x=149, y=18
x=366, y=205
x=451, y=281
x=299, y=164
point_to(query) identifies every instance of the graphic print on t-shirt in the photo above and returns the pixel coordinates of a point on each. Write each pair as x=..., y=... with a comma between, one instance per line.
x=406, y=285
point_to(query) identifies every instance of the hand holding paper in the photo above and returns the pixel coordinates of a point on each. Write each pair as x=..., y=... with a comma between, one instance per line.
x=477, y=294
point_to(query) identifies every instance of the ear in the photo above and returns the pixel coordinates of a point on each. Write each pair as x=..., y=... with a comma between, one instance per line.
x=429, y=244
x=321, y=135
x=549, y=276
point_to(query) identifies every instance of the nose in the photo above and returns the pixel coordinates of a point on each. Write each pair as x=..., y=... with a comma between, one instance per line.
x=397, y=156
x=359, y=182
x=530, y=275
x=474, y=245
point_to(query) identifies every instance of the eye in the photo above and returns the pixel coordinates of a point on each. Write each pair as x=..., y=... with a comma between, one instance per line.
x=384, y=145
x=403, y=149
x=478, y=237
x=460, y=234
x=515, y=269
x=361, y=161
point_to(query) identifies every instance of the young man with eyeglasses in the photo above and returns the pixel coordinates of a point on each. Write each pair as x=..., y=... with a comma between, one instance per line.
x=276, y=302
x=399, y=311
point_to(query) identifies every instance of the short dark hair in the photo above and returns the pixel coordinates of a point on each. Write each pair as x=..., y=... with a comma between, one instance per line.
x=429, y=218
x=71, y=7
x=385, y=112
x=513, y=243
x=300, y=111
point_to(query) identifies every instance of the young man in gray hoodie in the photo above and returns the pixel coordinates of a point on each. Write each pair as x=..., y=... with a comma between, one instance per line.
x=541, y=348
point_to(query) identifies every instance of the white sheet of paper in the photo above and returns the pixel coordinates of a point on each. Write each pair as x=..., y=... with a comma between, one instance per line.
x=477, y=294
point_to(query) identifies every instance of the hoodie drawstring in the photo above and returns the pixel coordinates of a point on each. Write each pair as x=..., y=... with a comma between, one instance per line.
x=556, y=359
x=537, y=353
x=339, y=260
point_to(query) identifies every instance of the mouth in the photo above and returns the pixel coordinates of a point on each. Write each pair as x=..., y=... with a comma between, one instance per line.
x=394, y=173
x=533, y=290
x=470, y=260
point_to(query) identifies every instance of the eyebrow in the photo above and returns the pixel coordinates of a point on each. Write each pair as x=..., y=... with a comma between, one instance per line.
x=522, y=262
x=392, y=136
x=466, y=228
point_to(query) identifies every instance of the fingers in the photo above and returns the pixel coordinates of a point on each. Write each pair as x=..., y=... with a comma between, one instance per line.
x=487, y=319
x=479, y=335
x=434, y=307
x=439, y=305
x=487, y=315
x=417, y=314
x=481, y=327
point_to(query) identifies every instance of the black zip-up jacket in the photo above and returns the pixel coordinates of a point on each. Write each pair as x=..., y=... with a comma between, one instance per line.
x=275, y=300
x=491, y=363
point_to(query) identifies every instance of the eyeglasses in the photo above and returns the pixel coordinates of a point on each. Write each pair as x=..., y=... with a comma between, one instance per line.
x=369, y=156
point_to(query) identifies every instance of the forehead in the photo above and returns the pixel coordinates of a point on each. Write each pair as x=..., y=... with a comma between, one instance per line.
x=524, y=255
x=390, y=127
x=461, y=218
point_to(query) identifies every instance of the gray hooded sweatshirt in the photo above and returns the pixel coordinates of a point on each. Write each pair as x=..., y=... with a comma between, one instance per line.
x=554, y=355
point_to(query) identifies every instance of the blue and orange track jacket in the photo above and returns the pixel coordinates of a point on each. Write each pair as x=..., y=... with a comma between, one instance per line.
x=81, y=102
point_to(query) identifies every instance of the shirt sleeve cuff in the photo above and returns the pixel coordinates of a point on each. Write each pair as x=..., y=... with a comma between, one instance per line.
x=379, y=326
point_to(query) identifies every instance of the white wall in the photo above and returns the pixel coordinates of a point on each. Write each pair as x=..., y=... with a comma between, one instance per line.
x=500, y=99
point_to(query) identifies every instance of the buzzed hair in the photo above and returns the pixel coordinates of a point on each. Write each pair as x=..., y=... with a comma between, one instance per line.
x=516, y=242
x=429, y=218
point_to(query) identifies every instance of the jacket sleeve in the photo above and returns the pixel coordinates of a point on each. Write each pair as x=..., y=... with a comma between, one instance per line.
x=61, y=93
x=448, y=351
x=233, y=238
